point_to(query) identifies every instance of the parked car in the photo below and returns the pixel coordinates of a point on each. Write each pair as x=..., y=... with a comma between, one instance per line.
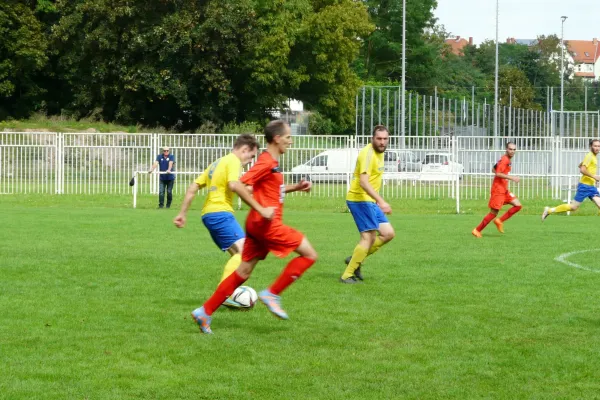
x=334, y=165
x=440, y=166
x=401, y=161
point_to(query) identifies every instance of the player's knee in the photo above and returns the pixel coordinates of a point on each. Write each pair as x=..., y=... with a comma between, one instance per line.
x=574, y=206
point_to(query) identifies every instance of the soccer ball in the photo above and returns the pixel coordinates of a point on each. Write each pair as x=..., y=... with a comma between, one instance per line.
x=245, y=296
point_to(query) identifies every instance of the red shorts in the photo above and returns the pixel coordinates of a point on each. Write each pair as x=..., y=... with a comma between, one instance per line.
x=497, y=200
x=272, y=237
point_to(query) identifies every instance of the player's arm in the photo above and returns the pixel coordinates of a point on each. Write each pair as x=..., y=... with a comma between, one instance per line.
x=191, y=192
x=500, y=172
x=584, y=171
x=302, y=186
x=241, y=190
x=170, y=167
x=366, y=186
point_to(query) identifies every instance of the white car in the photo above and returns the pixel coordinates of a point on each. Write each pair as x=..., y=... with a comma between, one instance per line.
x=440, y=167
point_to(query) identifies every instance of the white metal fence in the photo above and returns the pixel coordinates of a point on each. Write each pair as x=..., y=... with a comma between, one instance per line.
x=96, y=163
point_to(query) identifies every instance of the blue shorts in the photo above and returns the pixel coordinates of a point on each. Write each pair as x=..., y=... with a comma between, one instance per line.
x=224, y=228
x=367, y=215
x=585, y=191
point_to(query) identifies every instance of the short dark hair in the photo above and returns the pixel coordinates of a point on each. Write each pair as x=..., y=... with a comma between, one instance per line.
x=274, y=128
x=379, y=128
x=509, y=143
x=245, y=139
x=593, y=140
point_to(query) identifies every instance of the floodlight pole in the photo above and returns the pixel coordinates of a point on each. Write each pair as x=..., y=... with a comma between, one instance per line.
x=496, y=74
x=403, y=105
x=562, y=74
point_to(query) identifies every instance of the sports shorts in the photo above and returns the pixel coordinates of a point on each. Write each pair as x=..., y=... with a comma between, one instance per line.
x=270, y=236
x=367, y=215
x=585, y=191
x=497, y=200
x=224, y=228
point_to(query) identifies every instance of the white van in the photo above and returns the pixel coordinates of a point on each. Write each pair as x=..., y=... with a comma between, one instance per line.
x=336, y=165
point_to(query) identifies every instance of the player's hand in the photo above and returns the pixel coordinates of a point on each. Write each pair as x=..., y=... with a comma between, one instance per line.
x=304, y=186
x=267, y=212
x=385, y=207
x=179, y=221
x=597, y=178
x=150, y=171
x=516, y=179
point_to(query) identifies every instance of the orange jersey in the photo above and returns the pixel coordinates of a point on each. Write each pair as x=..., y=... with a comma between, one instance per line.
x=500, y=185
x=267, y=186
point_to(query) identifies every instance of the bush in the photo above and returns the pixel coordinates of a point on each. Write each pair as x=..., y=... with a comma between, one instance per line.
x=244, y=127
x=320, y=125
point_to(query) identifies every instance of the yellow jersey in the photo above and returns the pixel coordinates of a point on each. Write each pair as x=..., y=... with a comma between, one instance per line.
x=216, y=179
x=371, y=163
x=591, y=164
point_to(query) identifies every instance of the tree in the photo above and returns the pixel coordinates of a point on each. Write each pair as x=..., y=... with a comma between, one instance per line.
x=177, y=63
x=22, y=55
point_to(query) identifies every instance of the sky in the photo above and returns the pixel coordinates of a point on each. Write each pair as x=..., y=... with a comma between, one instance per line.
x=521, y=19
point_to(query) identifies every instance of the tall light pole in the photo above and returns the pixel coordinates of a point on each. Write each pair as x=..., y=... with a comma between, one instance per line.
x=496, y=74
x=403, y=111
x=562, y=73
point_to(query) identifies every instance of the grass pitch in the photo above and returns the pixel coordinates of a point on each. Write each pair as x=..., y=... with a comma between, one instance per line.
x=96, y=300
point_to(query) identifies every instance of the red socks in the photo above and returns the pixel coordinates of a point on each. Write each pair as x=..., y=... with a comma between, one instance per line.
x=224, y=290
x=511, y=211
x=486, y=220
x=292, y=271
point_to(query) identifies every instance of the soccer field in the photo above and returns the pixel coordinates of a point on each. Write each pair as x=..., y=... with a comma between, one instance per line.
x=96, y=300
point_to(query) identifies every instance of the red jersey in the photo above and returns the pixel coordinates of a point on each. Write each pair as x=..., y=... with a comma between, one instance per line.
x=267, y=183
x=500, y=185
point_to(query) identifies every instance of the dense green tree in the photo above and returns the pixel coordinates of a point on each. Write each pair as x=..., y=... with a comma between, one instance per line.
x=23, y=54
x=178, y=63
x=381, y=53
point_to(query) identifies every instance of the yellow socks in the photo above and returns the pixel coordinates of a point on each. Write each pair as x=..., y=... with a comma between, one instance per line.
x=376, y=245
x=233, y=264
x=358, y=256
x=560, y=209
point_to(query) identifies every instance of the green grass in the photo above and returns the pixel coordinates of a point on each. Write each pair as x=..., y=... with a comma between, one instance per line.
x=96, y=296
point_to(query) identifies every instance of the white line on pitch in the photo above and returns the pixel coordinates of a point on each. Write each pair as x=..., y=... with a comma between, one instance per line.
x=563, y=259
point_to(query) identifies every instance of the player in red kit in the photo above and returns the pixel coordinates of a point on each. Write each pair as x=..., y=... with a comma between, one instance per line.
x=264, y=236
x=500, y=195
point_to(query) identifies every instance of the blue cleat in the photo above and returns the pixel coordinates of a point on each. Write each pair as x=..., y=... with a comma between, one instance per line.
x=234, y=305
x=203, y=320
x=273, y=303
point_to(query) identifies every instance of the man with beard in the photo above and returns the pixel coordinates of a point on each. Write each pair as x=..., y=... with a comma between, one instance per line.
x=366, y=205
x=587, y=184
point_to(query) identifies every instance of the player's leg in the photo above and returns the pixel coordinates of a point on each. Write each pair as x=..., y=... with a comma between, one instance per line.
x=281, y=241
x=596, y=200
x=235, y=250
x=161, y=193
x=170, y=192
x=583, y=191
x=386, y=234
x=366, y=219
x=516, y=207
x=203, y=315
x=495, y=204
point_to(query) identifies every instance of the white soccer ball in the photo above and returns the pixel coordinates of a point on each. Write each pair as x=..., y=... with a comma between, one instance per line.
x=245, y=296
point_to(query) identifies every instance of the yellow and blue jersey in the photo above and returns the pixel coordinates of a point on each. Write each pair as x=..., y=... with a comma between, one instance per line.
x=591, y=164
x=371, y=163
x=216, y=179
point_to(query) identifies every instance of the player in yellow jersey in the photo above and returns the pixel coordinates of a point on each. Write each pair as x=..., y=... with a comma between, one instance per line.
x=366, y=205
x=222, y=180
x=587, y=184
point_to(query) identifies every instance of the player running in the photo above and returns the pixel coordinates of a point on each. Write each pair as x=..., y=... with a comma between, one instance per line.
x=587, y=183
x=500, y=195
x=263, y=235
x=222, y=179
x=366, y=205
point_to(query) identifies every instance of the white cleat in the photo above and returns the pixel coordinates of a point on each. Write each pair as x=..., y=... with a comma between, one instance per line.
x=545, y=213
